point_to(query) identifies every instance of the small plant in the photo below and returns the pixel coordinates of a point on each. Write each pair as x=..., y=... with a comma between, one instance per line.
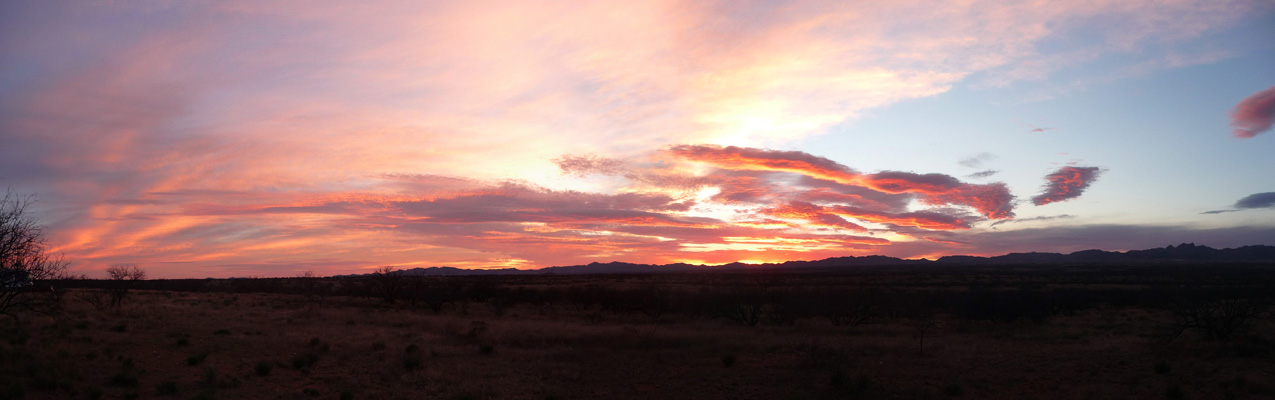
x=183, y=341
x=413, y=361
x=312, y=392
x=347, y=395
x=847, y=387
x=196, y=358
x=124, y=379
x=305, y=360
x=1174, y=392
x=728, y=360
x=953, y=390
x=168, y=388
x=378, y=345
x=210, y=377
x=264, y=368
x=486, y=349
x=222, y=332
x=1162, y=367
x=119, y=328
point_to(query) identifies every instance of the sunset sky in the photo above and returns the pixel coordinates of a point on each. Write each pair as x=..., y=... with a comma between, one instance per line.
x=260, y=138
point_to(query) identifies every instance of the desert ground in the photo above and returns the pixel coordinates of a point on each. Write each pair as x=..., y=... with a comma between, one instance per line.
x=1089, y=333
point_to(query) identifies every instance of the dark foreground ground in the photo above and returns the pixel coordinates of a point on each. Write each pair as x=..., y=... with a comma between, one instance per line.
x=1085, y=332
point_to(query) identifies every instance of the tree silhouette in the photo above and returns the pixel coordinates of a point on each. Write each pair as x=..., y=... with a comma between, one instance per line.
x=24, y=259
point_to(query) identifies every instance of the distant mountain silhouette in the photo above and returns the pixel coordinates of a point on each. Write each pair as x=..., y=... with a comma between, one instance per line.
x=1186, y=252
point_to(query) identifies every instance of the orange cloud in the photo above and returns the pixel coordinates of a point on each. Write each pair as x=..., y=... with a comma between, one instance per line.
x=1067, y=183
x=919, y=219
x=750, y=159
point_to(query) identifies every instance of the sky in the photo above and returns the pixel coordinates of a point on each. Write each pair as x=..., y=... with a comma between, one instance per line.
x=250, y=138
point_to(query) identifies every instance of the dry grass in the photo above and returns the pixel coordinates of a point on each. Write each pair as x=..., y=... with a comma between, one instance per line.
x=366, y=350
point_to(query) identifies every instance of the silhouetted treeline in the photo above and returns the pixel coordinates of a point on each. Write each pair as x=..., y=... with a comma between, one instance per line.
x=1214, y=299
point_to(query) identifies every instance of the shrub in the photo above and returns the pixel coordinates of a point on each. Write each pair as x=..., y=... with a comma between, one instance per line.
x=1162, y=367
x=953, y=390
x=222, y=332
x=1174, y=392
x=846, y=387
x=347, y=395
x=378, y=345
x=312, y=392
x=183, y=342
x=305, y=360
x=486, y=349
x=196, y=358
x=264, y=368
x=124, y=379
x=728, y=360
x=168, y=388
x=412, y=362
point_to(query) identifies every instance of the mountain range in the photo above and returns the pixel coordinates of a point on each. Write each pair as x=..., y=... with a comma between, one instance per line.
x=1183, y=253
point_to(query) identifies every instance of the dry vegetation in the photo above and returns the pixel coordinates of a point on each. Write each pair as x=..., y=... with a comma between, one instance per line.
x=888, y=335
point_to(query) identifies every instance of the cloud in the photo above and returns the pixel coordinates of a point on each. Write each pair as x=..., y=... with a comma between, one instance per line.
x=982, y=174
x=811, y=214
x=590, y=164
x=943, y=241
x=1254, y=114
x=977, y=161
x=244, y=134
x=1252, y=201
x=1032, y=219
x=920, y=219
x=1218, y=211
x=992, y=200
x=752, y=159
x=1067, y=183
x=1257, y=200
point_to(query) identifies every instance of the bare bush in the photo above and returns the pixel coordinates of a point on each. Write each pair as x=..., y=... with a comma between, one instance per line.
x=388, y=284
x=123, y=277
x=25, y=264
x=1219, y=317
x=848, y=307
x=923, y=326
x=742, y=303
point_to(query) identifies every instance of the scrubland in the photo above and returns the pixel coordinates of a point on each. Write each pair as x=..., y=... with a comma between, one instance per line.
x=1082, y=333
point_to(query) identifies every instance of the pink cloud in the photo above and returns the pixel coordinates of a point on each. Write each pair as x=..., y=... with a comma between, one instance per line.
x=1067, y=183
x=1255, y=114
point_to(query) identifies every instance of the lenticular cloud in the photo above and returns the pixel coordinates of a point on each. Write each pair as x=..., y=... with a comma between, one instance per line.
x=1254, y=114
x=1067, y=183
